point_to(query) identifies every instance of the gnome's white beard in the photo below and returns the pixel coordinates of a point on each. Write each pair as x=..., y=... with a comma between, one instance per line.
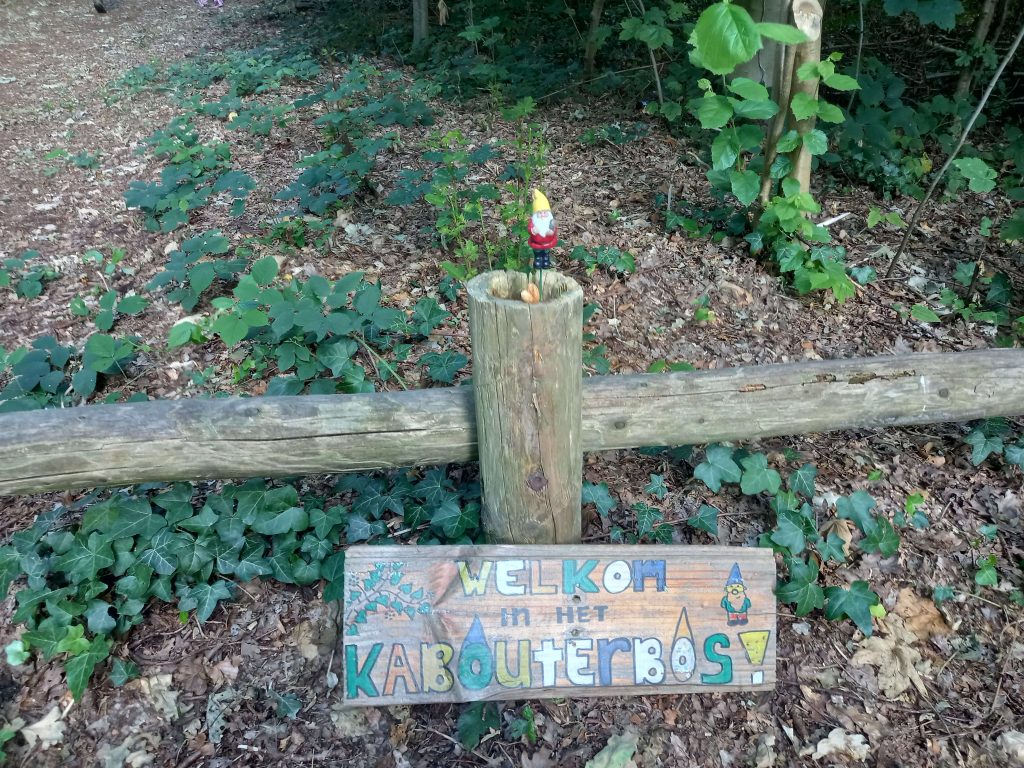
x=543, y=223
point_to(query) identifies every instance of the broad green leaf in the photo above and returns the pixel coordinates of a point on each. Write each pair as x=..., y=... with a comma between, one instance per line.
x=725, y=35
x=942, y=593
x=816, y=142
x=180, y=334
x=442, y=366
x=717, y=467
x=745, y=185
x=47, y=637
x=271, y=524
x=17, y=653
x=789, y=533
x=749, y=89
x=841, y=82
x=754, y=110
x=476, y=721
x=705, y=520
x=1013, y=453
x=980, y=177
x=204, y=598
x=251, y=563
x=712, y=111
x=265, y=270
x=647, y=518
x=803, y=106
x=74, y=641
x=923, y=313
x=337, y=354
x=758, y=477
x=829, y=113
x=598, y=495
x=332, y=571
x=80, y=668
x=854, y=603
x=802, y=481
x=857, y=507
x=86, y=558
x=802, y=589
x=286, y=705
x=783, y=33
x=789, y=141
x=983, y=445
x=231, y=328
x=10, y=568
x=194, y=552
x=99, y=618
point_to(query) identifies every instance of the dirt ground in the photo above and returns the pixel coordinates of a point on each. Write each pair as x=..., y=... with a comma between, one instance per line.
x=965, y=657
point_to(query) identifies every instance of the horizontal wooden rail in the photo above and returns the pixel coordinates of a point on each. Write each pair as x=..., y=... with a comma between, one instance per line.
x=286, y=436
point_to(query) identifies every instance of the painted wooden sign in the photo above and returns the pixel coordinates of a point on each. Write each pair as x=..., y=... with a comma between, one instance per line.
x=465, y=623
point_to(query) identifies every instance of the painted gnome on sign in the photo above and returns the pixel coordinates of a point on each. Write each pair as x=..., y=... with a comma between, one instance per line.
x=736, y=603
x=543, y=237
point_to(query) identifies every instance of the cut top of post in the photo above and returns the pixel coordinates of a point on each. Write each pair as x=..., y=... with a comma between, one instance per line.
x=508, y=286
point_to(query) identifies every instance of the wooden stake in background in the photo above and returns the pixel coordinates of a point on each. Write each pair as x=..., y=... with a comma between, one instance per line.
x=527, y=380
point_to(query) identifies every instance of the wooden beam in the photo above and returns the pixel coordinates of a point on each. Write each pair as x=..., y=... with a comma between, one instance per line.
x=287, y=436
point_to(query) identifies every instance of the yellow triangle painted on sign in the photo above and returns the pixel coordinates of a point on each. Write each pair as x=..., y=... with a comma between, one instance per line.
x=755, y=643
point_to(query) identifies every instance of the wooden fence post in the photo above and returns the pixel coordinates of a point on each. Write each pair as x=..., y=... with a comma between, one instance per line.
x=527, y=380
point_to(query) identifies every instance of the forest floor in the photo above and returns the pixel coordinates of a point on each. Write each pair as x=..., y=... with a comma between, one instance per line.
x=964, y=656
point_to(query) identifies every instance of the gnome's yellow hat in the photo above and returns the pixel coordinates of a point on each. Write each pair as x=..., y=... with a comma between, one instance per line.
x=540, y=203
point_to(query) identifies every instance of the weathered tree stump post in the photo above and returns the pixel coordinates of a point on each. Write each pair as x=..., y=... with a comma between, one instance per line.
x=527, y=379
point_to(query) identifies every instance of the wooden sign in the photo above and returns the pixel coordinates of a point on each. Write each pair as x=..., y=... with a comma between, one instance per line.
x=465, y=623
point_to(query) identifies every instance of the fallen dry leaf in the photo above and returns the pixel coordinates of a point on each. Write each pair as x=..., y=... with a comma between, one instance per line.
x=161, y=696
x=894, y=656
x=840, y=744
x=920, y=615
x=47, y=731
x=539, y=759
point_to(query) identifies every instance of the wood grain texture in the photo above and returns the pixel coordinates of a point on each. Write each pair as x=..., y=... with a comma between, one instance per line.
x=285, y=436
x=527, y=386
x=465, y=623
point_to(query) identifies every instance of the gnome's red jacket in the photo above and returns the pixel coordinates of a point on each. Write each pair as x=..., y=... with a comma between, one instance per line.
x=541, y=242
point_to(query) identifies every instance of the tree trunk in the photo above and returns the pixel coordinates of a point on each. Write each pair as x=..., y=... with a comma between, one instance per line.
x=807, y=17
x=963, y=84
x=590, y=52
x=420, y=23
x=766, y=66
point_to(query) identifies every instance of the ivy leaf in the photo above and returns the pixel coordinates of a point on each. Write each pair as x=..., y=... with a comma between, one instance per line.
x=599, y=495
x=789, y=533
x=725, y=35
x=854, y=603
x=287, y=705
x=656, y=487
x=10, y=568
x=883, y=539
x=250, y=561
x=802, y=481
x=757, y=476
x=705, y=520
x=99, y=618
x=802, y=589
x=453, y=520
x=984, y=445
x=332, y=571
x=1014, y=454
x=857, y=507
x=85, y=558
x=79, y=668
x=442, y=366
x=122, y=670
x=831, y=548
x=204, y=598
x=292, y=519
x=360, y=529
x=647, y=518
x=47, y=637
x=476, y=721
x=717, y=467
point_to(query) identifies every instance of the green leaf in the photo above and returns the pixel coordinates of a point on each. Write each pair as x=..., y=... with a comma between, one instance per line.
x=832, y=548
x=453, y=520
x=854, y=603
x=656, y=487
x=336, y=355
x=789, y=533
x=745, y=185
x=360, y=529
x=986, y=575
x=802, y=589
x=647, y=518
x=204, y=598
x=717, y=467
x=180, y=334
x=942, y=593
x=705, y=520
x=271, y=524
x=47, y=637
x=980, y=177
x=442, y=366
x=476, y=721
x=725, y=35
x=599, y=495
x=783, y=33
x=10, y=568
x=802, y=481
x=132, y=305
x=816, y=142
x=86, y=558
x=757, y=476
x=79, y=668
x=332, y=571
x=122, y=671
x=857, y=507
x=749, y=89
x=841, y=82
x=983, y=445
x=17, y=653
x=883, y=539
x=265, y=270
x=250, y=562
x=712, y=111
x=231, y=328
x=99, y=618
x=803, y=106
x=286, y=705
x=789, y=141
x=1013, y=453
x=829, y=113
x=923, y=313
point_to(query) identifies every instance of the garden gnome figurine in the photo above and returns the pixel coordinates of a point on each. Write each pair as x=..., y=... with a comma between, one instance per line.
x=736, y=603
x=543, y=235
